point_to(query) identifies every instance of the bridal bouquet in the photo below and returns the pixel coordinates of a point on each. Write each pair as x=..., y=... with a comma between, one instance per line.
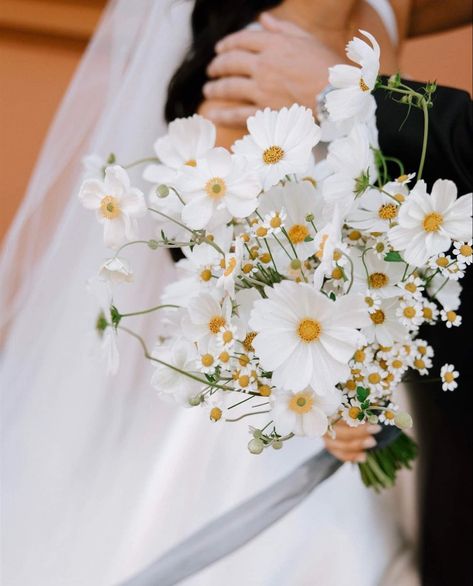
x=303, y=282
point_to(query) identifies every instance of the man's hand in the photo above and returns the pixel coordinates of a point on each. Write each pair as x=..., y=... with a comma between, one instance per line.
x=274, y=67
x=351, y=443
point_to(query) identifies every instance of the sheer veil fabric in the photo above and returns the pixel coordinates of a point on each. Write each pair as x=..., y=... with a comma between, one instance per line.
x=99, y=476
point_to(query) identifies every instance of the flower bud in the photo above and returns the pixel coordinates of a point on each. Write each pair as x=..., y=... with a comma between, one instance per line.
x=295, y=264
x=195, y=400
x=310, y=218
x=153, y=244
x=403, y=420
x=277, y=444
x=373, y=419
x=255, y=446
x=162, y=191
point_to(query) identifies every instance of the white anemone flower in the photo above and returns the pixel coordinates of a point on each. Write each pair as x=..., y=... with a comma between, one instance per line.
x=385, y=328
x=302, y=207
x=187, y=140
x=116, y=270
x=305, y=338
x=353, y=85
x=376, y=212
x=304, y=413
x=116, y=203
x=169, y=382
x=221, y=183
x=448, y=374
x=377, y=274
x=279, y=142
x=427, y=224
x=352, y=163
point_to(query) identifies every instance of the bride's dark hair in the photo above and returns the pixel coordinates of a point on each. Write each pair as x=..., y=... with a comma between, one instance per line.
x=211, y=21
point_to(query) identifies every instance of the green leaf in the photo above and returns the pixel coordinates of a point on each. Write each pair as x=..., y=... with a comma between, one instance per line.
x=362, y=394
x=393, y=256
x=308, y=239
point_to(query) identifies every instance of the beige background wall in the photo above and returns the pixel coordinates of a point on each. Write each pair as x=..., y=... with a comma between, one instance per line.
x=41, y=42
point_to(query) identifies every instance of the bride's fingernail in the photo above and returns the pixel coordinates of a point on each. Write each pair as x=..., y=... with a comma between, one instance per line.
x=369, y=443
x=374, y=428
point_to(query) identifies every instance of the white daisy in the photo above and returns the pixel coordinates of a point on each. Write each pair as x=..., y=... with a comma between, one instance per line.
x=385, y=328
x=427, y=224
x=379, y=276
x=219, y=183
x=116, y=270
x=279, y=142
x=305, y=338
x=303, y=413
x=422, y=364
x=430, y=311
x=410, y=313
x=464, y=252
x=449, y=375
x=352, y=96
x=388, y=415
x=413, y=286
x=380, y=245
x=187, y=140
x=117, y=205
x=451, y=318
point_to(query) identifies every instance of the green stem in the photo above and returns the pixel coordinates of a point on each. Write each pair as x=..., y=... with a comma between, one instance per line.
x=424, y=140
x=150, y=310
x=140, y=161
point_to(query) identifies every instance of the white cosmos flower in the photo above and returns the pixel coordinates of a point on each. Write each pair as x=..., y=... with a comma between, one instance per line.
x=170, y=383
x=376, y=212
x=385, y=328
x=351, y=160
x=295, y=201
x=187, y=140
x=427, y=224
x=116, y=270
x=221, y=182
x=116, y=203
x=279, y=142
x=305, y=338
x=449, y=375
x=377, y=274
x=353, y=85
x=304, y=413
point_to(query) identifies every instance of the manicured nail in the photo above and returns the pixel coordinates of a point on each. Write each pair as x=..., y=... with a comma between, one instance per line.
x=361, y=458
x=374, y=428
x=369, y=442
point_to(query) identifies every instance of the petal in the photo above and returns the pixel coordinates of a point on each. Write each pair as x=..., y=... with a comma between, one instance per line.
x=91, y=193
x=116, y=180
x=314, y=423
x=197, y=213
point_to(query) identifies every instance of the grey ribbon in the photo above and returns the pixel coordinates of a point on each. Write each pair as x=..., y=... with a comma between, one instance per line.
x=232, y=530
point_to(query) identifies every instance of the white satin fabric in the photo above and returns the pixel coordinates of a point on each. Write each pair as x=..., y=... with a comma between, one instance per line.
x=99, y=476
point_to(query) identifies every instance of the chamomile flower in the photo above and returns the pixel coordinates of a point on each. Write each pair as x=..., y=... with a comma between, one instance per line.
x=387, y=415
x=405, y=179
x=410, y=313
x=422, y=364
x=206, y=363
x=220, y=183
x=463, y=251
x=451, y=318
x=427, y=224
x=279, y=143
x=303, y=413
x=430, y=312
x=351, y=97
x=440, y=262
x=305, y=338
x=376, y=212
x=187, y=140
x=379, y=276
x=422, y=348
x=117, y=205
x=374, y=379
x=363, y=356
x=274, y=220
x=385, y=328
x=372, y=300
x=448, y=374
x=116, y=270
x=352, y=413
x=381, y=246
x=412, y=286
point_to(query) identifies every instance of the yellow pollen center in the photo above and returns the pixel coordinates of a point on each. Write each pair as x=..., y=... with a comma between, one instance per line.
x=363, y=85
x=378, y=317
x=244, y=380
x=206, y=275
x=378, y=280
x=224, y=356
x=442, y=261
x=215, y=414
x=419, y=363
x=248, y=341
x=110, y=207
x=337, y=273
x=402, y=178
x=298, y=233
x=273, y=155
x=247, y=268
x=264, y=390
x=301, y=403
x=409, y=312
x=451, y=316
x=216, y=323
x=369, y=301
x=275, y=222
x=422, y=350
x=433, y=222
x=227, y=337
x=466, y=250
x=388, y=211
x=401, y=198
x=374, y=378
x=244, y=360
x=191, y=163
x=353, y=412
x=350, y=385
x=337, y=254
x=389, y=415
x=411, y=287
x=360, y=356
x=261, y=232
x=309, y=330
x=427, y=313
x=397, y=363
x=448, y=377
x=354, y=235
x=216, y=187
x=207, y=360
x=265, y=257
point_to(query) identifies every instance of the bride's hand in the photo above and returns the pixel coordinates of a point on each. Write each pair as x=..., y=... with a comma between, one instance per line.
x=351, y=443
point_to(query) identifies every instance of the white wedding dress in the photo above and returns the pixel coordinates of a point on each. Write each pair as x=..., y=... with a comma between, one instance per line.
x=99, y=476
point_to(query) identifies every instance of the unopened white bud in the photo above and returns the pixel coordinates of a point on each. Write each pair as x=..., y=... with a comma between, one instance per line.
x=162, y=191
x=403, y=420
x=255, y=446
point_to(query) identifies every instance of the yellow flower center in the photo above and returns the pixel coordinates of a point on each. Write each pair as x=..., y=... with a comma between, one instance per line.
x=378, y=317
x=353, y=412
x=265, y=257
x=261, y=232
x=227, y=337
x=273, y=155
x=215, y=414
x=389, y=414
x=451, y=316
x=275, y=221
x=427, y=313
x=402, y=178
x=360, y=356
x=433, y=222
x=244, y=381
x=419, y=363
x=206, y=275
x=369, y=301
x=466, y=250
x=248, y=341
x=247, y=268
x=350, y=385
x=409, y=312
x=400, y=197
x=363, y=85
x=442, y=261
x=337, y=254
x=231, y=264
x=110, y=207
x=448, y=377
x=354, y=235
x=216, y=187
x=374, y=378
x=337, y=273
x=309, y=330
x=411, y=287
x=301, y=403
x=216, y=323
x=264, y=390
x=244, y=360
x=378, y=280
x=207, y=360
x=298, y=233
x=422, y=350
x=388, y=211
x=396, y=363
x=191, y=163
x=224, y=356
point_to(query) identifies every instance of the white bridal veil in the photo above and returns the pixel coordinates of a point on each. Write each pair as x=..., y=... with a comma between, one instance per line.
x=99, y=476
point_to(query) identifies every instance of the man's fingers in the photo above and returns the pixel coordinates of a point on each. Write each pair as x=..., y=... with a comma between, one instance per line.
x=354, y=445
x=232, y=63
x=233, y=117
x=345, y=432
x=247, y=40
x=277, y=25
x=349, y=456
x=237, y=89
